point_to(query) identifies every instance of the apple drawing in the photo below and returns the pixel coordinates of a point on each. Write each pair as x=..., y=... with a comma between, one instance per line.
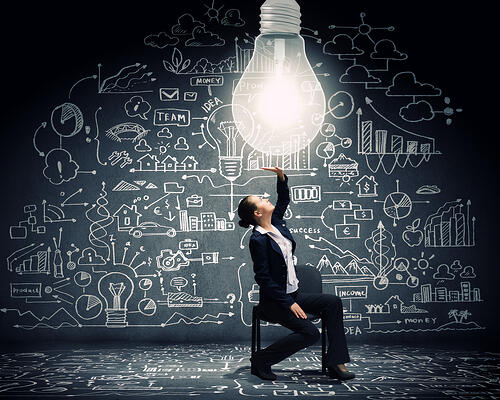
x=413, y=236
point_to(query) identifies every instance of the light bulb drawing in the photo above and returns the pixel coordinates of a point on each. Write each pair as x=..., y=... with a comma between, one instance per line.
x=116, y=288
x=279, y=86
x=226, y=133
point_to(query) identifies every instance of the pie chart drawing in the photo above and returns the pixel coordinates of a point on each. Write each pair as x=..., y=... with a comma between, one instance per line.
x=88, y=306
x=397, y=206
x=145, y=284
x=66, y=120
x=325, y=150
x=147, y=306
x=82, y=278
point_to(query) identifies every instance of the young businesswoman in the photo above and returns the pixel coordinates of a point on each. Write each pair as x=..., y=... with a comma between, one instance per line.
x=272, y=247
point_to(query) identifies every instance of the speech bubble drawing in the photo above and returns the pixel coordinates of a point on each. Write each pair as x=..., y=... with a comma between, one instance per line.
x=208, y=81
x=137, y=107
x=178, y=282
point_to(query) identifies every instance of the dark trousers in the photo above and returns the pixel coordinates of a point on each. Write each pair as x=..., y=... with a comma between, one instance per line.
x=304, y=332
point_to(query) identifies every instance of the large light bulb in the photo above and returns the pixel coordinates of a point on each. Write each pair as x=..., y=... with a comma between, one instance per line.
x=116, y=288
x=278, y=85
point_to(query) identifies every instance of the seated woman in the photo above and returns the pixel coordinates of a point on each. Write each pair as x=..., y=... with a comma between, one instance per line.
x=272, y=247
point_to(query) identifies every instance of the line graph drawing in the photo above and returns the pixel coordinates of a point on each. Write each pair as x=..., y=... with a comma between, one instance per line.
x=58, y=319
x=124, y=80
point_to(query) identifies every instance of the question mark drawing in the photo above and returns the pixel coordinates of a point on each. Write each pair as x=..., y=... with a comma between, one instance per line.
x=232, y=298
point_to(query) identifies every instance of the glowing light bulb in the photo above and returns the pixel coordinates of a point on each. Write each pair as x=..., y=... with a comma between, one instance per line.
x=278, y=85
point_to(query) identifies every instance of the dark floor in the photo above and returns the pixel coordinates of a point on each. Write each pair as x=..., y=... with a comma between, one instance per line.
x=218, y=371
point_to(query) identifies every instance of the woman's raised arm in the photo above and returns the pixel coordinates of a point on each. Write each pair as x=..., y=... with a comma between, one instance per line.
x=283, y=192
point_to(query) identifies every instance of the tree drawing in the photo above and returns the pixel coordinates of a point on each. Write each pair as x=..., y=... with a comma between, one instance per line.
x=453, y=313
x=463, y=315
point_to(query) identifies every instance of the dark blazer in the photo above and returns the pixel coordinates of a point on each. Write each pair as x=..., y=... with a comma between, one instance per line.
x=269, y=264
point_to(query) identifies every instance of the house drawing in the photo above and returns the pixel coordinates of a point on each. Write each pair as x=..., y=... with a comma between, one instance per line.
x=367, y=187
x=394, y=303
x=169, y=163
x=148, y=163
x=188, y=164
x=128, y=217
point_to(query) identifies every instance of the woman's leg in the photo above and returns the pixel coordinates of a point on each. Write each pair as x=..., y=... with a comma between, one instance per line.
x=314, y=303
x=304, y=334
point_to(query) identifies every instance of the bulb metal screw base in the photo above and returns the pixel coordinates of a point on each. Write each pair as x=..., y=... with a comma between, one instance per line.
x=280, y=16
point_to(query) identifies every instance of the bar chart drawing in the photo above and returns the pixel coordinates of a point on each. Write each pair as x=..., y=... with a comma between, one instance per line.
x=288, y=156
x=391, y=146
x=449, y=226
x=264, y=61
x=38, y=263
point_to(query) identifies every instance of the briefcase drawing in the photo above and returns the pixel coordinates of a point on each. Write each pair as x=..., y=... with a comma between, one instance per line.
x=194, y=201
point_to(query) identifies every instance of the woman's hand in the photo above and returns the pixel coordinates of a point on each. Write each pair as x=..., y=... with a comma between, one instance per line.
x=278, y=171
x=299, y=313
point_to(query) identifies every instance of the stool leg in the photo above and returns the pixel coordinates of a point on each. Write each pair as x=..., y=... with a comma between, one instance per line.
x=258, y=333
x=254, y=330
x=323, y=344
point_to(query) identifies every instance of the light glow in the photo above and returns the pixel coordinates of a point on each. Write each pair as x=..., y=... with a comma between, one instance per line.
x=279, y=103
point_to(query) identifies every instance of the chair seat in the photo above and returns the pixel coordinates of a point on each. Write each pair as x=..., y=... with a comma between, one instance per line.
x=261, y=316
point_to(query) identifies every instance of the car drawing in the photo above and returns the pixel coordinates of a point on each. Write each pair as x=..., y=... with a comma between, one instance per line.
x=152, y=229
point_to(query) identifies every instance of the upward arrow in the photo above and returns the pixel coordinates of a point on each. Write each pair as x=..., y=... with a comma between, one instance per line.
x=359, y=113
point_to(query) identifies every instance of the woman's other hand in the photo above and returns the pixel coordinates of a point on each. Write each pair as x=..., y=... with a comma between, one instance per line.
x=299, y=313
x=277, y=170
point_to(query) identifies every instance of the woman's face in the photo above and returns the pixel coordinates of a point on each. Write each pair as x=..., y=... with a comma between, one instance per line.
x=264, y=206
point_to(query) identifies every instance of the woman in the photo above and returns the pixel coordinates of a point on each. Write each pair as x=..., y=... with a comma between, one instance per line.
x=271, y=247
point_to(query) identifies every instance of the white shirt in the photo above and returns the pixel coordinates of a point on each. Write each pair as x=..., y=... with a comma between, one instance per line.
x=292, y=283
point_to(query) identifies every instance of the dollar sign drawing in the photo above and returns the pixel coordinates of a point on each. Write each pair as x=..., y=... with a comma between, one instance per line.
x=367, y=187
x=363, y=213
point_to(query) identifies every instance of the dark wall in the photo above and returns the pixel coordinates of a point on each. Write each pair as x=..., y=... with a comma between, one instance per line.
x=405, y=239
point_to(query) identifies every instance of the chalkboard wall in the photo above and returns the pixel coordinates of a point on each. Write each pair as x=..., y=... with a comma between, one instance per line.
x=119, y=215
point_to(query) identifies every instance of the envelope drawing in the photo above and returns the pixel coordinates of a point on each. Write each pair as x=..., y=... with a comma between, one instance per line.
x=169, y=94
x=190, y=96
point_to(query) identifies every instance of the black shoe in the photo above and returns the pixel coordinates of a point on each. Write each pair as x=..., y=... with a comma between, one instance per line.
x=336, y=372
x=263, y=371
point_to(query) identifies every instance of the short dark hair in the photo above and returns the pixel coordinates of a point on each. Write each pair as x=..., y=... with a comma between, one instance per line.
x=246, y=209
